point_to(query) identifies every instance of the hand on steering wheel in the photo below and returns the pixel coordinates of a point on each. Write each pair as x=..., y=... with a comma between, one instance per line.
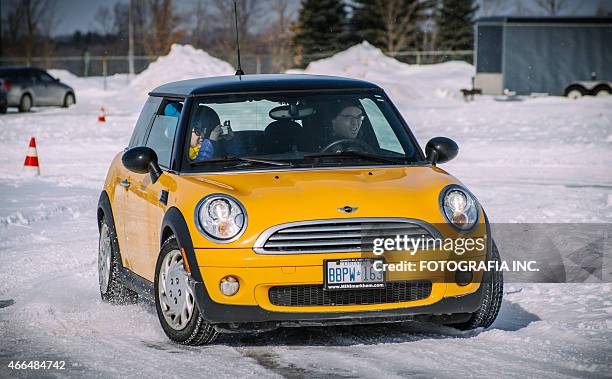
x=348, y=144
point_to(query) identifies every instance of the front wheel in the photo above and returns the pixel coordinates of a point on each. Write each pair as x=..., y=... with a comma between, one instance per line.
x=68, y=100
x=490, y=303
x=111, y=289
x=175, y=302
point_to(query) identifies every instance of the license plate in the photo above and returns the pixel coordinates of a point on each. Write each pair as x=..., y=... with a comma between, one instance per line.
x=352, y=273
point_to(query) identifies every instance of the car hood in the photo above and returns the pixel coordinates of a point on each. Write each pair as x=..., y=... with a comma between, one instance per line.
x=276, y=197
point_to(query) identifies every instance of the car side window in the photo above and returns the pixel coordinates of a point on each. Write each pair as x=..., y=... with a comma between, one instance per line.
x=142, y=125
x=161, y=136
x=382, y=129
x=44, y=77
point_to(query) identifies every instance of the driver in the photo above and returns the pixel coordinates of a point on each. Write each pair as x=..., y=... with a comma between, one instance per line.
x=347, y=122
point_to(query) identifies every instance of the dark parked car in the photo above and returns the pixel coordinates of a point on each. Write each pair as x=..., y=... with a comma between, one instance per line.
x=27, y=87
x=3, y=104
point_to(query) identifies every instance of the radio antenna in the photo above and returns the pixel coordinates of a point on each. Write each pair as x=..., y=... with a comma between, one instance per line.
x=239, y=69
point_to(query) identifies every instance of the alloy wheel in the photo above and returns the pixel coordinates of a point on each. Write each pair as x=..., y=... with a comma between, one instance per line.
x=175, y=295
x=104, y=258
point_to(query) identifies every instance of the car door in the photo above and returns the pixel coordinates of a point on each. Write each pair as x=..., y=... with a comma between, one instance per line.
x=54, y=91
x=145, y=199
x=121, y=207
x=43, y=89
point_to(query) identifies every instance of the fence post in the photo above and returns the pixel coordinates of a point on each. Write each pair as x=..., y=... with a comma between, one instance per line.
x=258, y=64
x=86, y=59
x=418, y=57
x=104, y=71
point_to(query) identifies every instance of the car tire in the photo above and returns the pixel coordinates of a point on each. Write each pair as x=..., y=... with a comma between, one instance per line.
x=602, y=90
x=25, y=104
x=3, y=108
x=109, y=264
x=492, y=294
x=69, y=100
x=175, y=303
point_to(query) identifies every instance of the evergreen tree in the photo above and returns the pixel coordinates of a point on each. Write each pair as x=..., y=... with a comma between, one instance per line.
x=455, y=25
x=321, y=28
x=367, y=23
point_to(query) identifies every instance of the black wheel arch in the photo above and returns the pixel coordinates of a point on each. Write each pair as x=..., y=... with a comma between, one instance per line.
x=601, y=87
x=105, y=209
x=577, y=86
x=174, y=224
x=70, y=92
x=29, y=94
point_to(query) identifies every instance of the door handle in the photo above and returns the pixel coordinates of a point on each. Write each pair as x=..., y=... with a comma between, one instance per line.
x=125, y=183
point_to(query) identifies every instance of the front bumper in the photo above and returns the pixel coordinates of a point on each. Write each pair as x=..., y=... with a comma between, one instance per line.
x=217, y=313
x=447, y=303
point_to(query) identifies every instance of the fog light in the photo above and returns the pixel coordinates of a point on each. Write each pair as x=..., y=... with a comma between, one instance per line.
x=229, y=286
x=463, y=278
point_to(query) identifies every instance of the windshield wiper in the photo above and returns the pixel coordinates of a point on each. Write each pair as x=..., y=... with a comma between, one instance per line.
x=355, y=154
x=237, y=159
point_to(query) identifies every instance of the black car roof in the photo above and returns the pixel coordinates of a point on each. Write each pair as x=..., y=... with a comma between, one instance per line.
x=17, y=68
x=260, y=83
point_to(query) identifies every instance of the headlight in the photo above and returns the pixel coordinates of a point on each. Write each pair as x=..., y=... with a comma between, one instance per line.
x=459, y=207
x=221, y=218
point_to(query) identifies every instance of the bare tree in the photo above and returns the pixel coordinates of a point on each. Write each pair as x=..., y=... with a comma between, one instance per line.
x=164, y=27
x=30, y=25
x=554, y=7
x=201, y=16
x=48, y=23
x=490, y=7
x=221, y=26
x=401, y=20
x=104, y=20
x=279, y=35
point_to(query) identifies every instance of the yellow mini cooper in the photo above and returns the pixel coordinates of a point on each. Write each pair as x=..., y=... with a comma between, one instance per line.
x=248, y=203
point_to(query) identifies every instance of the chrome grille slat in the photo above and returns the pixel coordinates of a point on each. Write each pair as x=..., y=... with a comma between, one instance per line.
x=313, y=236
x=336, y=228
x=336, y=235
x=314, y=243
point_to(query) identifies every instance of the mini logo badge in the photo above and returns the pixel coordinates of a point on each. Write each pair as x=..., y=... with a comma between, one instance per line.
x=348, y=209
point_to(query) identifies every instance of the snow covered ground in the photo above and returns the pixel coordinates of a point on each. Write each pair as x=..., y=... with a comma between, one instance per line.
x=536, y=160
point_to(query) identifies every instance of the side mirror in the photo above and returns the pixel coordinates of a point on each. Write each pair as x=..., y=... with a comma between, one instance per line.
x=441, y=150
x=142, y=160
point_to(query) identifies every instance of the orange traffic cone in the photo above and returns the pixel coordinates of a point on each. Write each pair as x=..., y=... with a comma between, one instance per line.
x=102, y=115
x=31, y=160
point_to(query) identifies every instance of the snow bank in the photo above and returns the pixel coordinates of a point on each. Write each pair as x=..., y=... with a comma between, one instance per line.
x=182, y=62
x=65, y=76
x=364, y=61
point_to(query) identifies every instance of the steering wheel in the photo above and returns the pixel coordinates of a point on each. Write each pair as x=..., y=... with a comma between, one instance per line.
x=350, y=143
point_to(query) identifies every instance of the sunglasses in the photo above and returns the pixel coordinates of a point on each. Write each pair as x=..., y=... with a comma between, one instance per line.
x=197, y=132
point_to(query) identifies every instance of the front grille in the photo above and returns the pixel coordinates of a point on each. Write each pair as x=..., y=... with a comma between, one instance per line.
x=335, y=235
x=313, y=294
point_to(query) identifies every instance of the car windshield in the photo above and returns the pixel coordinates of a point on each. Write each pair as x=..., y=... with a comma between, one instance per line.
x=296, y=130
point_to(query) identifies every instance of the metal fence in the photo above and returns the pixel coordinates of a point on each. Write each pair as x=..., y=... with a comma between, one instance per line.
x=86, y=65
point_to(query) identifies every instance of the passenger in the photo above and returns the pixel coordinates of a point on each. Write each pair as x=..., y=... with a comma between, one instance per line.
x=207, y=138
x=173, y=109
